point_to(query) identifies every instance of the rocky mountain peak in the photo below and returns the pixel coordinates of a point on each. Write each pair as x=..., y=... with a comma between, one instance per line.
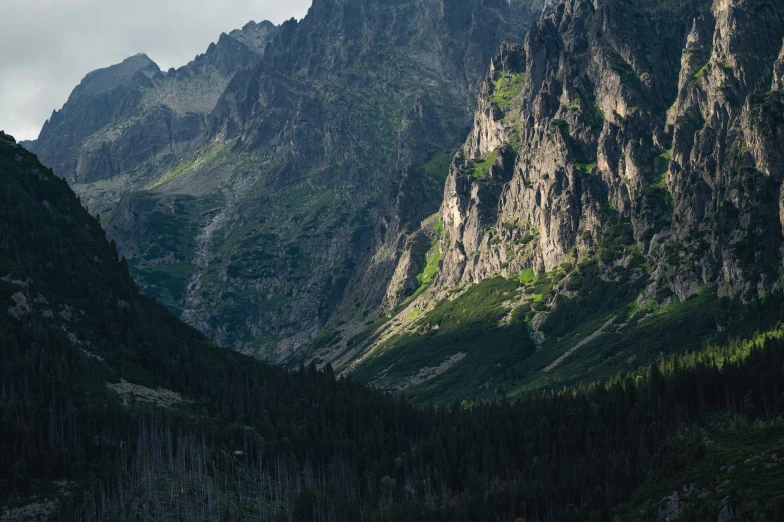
x=597, y=138
x=510, y=60
x=110, y=78
x=126, y=115
x=626, y=158
x=300, y=149
x=255, y=35
x=291, y=186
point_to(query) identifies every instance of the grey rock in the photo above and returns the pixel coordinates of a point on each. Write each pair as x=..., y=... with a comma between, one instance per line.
x=20, y=307
x=131, y=115
x=700, y=177
x=778, y=72
x=673, y=507
x=280, y=175
x=275, y=185
x=726, y=514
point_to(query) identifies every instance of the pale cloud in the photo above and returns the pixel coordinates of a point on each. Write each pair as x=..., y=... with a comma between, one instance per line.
x=48, y=46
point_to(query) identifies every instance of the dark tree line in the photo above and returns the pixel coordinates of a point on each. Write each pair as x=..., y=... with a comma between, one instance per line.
x=255, y=442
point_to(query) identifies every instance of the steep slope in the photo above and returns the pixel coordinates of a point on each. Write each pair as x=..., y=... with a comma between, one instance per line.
x=111, y=408
x=128, y=123
x=287, y=212
x=623, y=176
x=108, y=401
x=617, y=197
x=662, y=130
x=347, y=128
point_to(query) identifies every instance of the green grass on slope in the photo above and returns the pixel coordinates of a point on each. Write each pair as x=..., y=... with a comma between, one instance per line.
x=480, y=168
x=470, y=325
x=259, y=347
x=507, y=88
x=177, y=172
x=639, y=337
x=165, y=263
x=438, y=167
x=433, y=259
x=214, y=152
x=501, y=358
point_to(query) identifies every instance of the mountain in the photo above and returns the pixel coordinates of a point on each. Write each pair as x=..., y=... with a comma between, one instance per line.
x=124, y=123
x=470, y=199
x=667, y=130
x=113, y=409
x=278, y=207
x=617, y=197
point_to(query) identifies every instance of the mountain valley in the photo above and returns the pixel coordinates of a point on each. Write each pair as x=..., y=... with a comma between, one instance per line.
x=467, y=260
x=111, y=408
x=621, y=155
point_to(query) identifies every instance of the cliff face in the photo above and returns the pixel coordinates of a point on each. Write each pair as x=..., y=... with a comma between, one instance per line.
x=622, y=178
x=276, y=201
x=127, y=123
x=294, y=184
x=630, y=116
x=102, y=97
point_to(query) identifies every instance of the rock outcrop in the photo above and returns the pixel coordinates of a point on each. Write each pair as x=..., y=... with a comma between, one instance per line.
x=276, y=186
x=267, y=191
x=655, y=128
x=125, y=124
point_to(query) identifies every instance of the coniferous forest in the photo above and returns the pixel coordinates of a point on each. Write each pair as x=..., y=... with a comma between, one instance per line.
x=113, y=409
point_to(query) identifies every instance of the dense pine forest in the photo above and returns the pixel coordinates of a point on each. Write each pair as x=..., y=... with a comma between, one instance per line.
x=113, y=409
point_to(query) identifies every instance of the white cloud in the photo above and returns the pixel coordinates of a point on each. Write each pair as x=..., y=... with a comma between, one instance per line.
x=50, y=45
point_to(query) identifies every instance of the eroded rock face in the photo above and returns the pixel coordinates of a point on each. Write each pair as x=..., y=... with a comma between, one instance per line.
x=778, y=72
x=672, y=508
x=630, y=115
x=132, y=119
x=289, y=198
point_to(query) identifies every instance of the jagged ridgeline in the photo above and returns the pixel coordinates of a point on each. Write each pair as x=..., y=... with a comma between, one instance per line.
x=294, y=193
x=261, y=191
x=619, y=197
x=111, y=408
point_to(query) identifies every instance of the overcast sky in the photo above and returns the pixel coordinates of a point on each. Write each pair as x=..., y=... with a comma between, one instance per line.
x=48, y=46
